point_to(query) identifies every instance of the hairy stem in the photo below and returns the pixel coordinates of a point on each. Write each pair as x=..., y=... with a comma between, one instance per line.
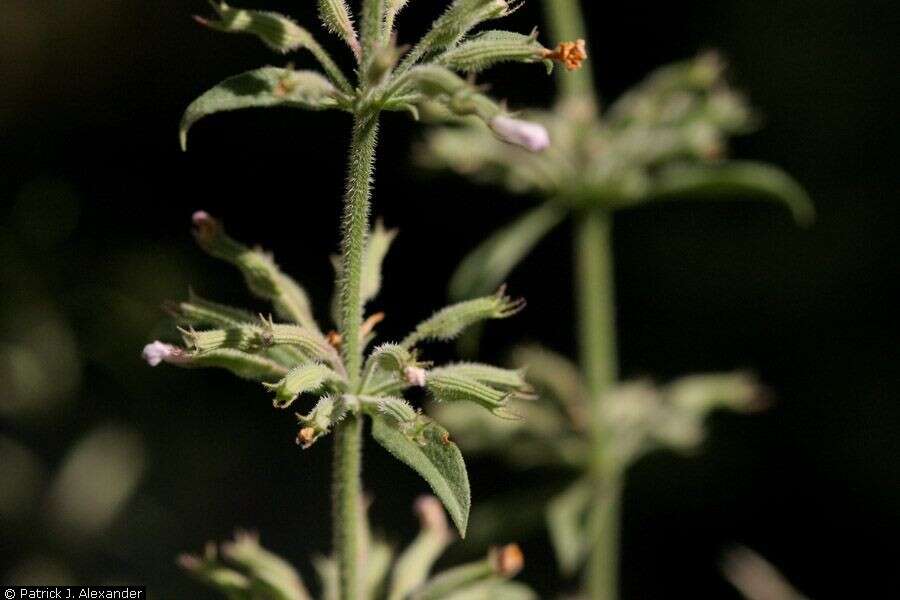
x=566, y=23
x=372, y=25
x=599, y=364
x=347, y=502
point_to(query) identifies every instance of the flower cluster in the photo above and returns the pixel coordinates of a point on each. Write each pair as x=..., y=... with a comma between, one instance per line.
x=294, y=358
x=244, y=570
x=390, y=78
x=557, y=433
x=663, y=140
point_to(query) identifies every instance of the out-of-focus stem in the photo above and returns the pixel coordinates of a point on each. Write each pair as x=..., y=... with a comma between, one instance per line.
x=595, y=293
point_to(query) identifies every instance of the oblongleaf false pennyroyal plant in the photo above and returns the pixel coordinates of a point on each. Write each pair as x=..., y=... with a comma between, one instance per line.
x=664, y=140
x=293, y=356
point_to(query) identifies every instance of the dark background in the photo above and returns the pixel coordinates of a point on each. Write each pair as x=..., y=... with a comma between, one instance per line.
x=94, y=233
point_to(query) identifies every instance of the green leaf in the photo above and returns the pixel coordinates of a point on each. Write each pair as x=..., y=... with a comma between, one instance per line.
x=392, y=9
x=329, y=578
x=449, y=386
x=335, y=15
x=198, y=312
x=300, y=380
x=277, y=578
x=276, y=31
x=495, y=589
x=416, y=561
x=508, y=380
x=449, y=322
x=556, y=378
x=567, y=517
x=486, y=267
x=377, y=246
x=476, y=579
x=460, y=17
x=327, y=412
x=210, y=571
x=438, y=461
x=379, y=556
x=261, y=273
x=490, y=48
x=734, y=180
x=265, y=87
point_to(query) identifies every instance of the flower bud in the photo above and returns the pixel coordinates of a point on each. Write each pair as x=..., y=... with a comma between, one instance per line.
x=531, y=136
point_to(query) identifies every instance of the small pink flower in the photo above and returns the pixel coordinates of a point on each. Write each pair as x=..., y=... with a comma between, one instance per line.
x=415, y=376
x=531, y=136
x=206, y=228
x=199, y=217
x=158, y=352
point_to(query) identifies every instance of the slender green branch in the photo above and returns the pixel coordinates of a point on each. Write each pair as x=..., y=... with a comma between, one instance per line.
x=596, y=302
x=566, y=23
x=346, y=513
x=597, y=338
x=603, y=563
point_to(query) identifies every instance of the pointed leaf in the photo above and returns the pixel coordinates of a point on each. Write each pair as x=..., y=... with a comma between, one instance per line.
x=198, y=312
x=495, y=589
x=438, y=461
x=377, y=246
x=261, y=273
x=567, y=516
x=475, y=579
x=416, y=561
x=265, y=87
x=269, y=571
x=558, y=379
x=449, y=322
x=460, y=17
x=327, y=412
x=493, y=47
x=508, y=380
x=329, y=578
x=449, y=386
x=335, y=15
x=488, y=266
x=737, y=180
x=301, y=380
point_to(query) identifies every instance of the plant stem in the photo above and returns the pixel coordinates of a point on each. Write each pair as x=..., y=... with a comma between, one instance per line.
x=566, y=23
x=347, y=501
x=599, y=364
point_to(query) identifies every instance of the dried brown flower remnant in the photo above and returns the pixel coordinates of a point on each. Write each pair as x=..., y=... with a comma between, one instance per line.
x=306, y=437
x=508, y=560
x=570, y=54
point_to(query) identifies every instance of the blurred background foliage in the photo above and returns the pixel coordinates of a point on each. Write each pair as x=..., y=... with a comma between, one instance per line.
x=108, y=469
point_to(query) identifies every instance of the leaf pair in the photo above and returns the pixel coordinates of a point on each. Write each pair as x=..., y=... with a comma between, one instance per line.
x=244, y=570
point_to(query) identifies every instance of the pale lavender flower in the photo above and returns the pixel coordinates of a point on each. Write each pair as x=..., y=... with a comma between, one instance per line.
x=528, y=135
x=415, y=376
x=157, y=352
